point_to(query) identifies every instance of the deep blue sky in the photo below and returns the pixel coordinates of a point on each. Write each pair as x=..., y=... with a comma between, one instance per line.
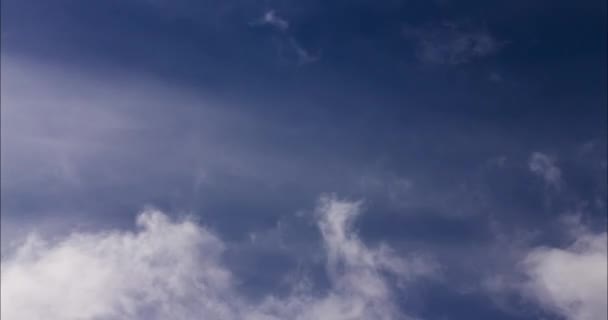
x=243, y=113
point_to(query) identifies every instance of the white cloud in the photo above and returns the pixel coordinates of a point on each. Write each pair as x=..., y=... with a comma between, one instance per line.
x=159, y=272
x=544, y=166
x=353, y=267
x=568, y=281
x=358, y=289
x=572, y=281
x=173, y=270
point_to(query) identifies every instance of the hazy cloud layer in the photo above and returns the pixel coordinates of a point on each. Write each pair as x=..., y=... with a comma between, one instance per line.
x=450, y=43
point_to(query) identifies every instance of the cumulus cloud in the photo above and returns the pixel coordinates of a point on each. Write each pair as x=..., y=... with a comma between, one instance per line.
x=170, y=269
x=162, y=271
x=570, y=281
x=545, y=167
x=450, y=43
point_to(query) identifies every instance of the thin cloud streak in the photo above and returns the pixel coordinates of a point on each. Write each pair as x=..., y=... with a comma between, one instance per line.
x=288, y=47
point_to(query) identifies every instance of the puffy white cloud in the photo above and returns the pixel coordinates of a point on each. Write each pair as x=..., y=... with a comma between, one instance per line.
x=173, y=270
x=162, y=271
x=568, y=281
x=572, y=281
x=544, y=166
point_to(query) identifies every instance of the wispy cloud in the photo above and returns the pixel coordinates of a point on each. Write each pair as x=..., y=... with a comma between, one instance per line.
x=174, y=269
x=545, y=167
x=303, y=55
x=449, y=43
x=289, y=48
x=271, y=18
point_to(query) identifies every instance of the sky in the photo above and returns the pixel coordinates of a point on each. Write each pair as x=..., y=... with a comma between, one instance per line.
x=304, y=160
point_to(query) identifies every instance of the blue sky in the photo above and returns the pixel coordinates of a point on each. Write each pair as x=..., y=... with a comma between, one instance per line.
x=304, y=159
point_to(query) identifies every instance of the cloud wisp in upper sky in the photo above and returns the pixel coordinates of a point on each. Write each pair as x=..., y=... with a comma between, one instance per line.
x=271, y=18
x=288, y=47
